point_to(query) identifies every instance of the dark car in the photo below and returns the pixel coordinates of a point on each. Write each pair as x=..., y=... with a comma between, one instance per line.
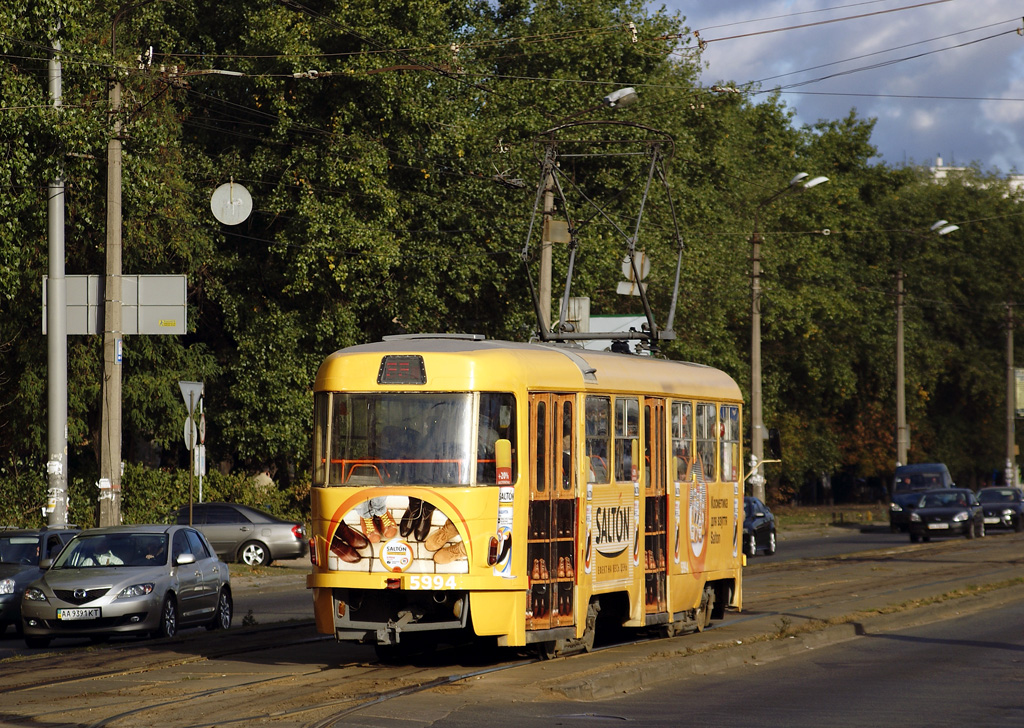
x=758, y=527
x=246, y=534
x=1003, y=507
x=144, y=579
x=908, y=482
x=21, y=552
x=946, y=512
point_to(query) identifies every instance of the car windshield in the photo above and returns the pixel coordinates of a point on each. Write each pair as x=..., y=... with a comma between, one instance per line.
x=23, y=549
x=918, y=481
x=996, y=496
x=943, y=500
x=114, y=549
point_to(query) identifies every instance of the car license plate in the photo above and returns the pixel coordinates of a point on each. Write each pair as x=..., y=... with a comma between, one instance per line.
x=991, y=520
x=71, y=614
x=939, y=526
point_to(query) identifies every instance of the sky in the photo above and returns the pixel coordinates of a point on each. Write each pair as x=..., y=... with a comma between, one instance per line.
x=941, y=77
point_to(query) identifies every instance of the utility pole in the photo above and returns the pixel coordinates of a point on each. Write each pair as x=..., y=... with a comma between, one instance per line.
x=545, y=250
x=902, y=436
x=1011, y=404
x=110, y=433
x=56, y=328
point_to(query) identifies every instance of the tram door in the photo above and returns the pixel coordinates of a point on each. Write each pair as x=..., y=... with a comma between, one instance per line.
x=656, y=508
x=551, y=549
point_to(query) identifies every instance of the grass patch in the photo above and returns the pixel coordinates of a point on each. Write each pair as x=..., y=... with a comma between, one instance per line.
x=847, y=514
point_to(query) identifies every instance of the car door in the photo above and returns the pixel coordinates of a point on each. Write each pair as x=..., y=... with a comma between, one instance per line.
x=225, y=528
x=189, y=576
x=210, y=575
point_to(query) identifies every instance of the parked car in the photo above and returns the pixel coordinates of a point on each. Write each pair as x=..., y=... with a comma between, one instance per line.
x=758, y=527
x=1003, y=507
x=128, y=580
x=908, y=482
x=21, y=551
x=246, y=534
x=946, y=512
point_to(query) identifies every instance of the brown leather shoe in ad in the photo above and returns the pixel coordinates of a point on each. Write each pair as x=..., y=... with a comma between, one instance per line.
x=451, y=552
x=441, y=536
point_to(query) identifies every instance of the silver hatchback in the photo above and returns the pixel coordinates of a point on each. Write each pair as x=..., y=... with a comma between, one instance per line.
x=149, y=579
x=246, y=534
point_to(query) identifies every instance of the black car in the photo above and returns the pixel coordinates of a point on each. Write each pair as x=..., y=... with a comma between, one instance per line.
x=758, y=527
x=908, y=483
x=21, y=551
x=1003, y=507
x=946, y=512
x=246, y=534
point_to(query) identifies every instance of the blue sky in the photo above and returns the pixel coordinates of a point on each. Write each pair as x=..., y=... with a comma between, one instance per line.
x=942, y=77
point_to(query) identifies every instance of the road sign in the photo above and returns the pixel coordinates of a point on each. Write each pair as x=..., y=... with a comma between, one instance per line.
x=191, y=392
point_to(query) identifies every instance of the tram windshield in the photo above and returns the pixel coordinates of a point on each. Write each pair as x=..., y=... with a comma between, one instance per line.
x=410, y=438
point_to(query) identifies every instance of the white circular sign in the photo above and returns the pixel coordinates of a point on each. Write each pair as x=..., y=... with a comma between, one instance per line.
x=231, y=203
x=643, y=265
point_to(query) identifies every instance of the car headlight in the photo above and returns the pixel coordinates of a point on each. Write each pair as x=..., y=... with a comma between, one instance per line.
x=895, y=507
x=915, y=517
x=961, y=516
x=6, y=586
x=1007, y=513
x=135, y=590
x=34, y=594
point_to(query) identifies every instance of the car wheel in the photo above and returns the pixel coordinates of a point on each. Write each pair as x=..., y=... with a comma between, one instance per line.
x=37, y=641
x=254, y=553
x=168, y=618
x=981, y=529
x=222, y=617
x=1018, y=525
x=971, y=531
x=750, y=547
x=771, y=544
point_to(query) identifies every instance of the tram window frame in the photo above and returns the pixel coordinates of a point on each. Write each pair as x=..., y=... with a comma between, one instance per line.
x=682, y=440
x=706, y=438
x=597, y=421
x=627, y=431
x=729, y=444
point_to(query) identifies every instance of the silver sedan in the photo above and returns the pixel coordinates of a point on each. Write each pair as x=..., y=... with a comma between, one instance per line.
x=150, y=579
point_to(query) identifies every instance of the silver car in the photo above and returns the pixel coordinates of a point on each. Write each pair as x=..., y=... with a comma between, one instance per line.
x=150, y=579
x=246, y=534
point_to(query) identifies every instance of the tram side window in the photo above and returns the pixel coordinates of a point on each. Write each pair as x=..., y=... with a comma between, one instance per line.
x=321, y=436
x=682, y=439
x=730, y=442
x=598, y=436
x=627, y=432
x=707, y=437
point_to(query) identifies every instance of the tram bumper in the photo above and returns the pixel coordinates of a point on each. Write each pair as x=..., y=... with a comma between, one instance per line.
x=383, y=616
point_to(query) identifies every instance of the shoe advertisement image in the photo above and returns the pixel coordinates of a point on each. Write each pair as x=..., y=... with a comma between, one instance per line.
x=369, y=536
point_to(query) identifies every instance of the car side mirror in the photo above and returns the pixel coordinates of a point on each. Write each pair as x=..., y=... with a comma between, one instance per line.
x=185, y=559
x=46, y=563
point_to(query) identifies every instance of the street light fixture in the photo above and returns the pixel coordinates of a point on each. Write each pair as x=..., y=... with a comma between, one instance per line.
x=939, y=227
x=795, y=186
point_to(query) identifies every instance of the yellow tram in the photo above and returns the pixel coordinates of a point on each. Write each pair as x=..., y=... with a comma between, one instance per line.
x=529, y=492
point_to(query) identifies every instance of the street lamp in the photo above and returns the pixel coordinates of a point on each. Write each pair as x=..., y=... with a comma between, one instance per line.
x=939, y=227
x=795, y=186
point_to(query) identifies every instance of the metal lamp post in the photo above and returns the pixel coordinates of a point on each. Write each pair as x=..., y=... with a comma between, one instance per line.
x=939, y=227
x=796, y=185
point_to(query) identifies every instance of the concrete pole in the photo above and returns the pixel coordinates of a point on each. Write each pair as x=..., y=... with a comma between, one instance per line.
x=756, y=416
x=1011, y=404
x=545, y=251
x=902, y=435
x=56, y=332
x=110, y=435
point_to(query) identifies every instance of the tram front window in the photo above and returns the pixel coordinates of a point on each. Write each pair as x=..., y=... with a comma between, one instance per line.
x=404, y=438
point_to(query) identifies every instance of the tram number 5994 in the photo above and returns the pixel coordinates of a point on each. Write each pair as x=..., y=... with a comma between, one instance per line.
x=431, y=581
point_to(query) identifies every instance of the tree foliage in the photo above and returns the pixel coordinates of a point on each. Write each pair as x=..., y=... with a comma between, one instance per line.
x=393, y=150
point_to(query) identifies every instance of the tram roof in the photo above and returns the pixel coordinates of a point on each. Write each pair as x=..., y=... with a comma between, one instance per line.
x=471, y=362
